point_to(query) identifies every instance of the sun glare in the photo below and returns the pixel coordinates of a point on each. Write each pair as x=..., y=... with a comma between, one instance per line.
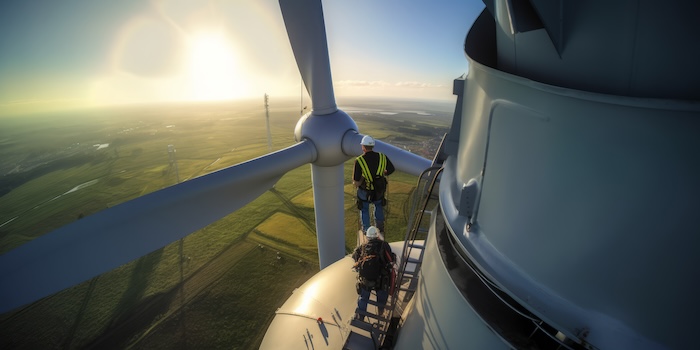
x=214, y=69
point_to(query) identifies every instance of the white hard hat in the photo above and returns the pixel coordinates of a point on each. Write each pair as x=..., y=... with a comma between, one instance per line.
x=372, y=232
x=367, y=141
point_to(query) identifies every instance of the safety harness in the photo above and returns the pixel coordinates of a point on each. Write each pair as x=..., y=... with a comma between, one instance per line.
x=367, y=174
x=375, y=267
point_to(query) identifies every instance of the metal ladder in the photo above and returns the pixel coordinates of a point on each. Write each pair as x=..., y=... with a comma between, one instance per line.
x=380, y=327
x=424, y=202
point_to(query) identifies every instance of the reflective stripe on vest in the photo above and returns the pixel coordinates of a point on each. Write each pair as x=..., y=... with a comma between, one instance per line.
x=382, y=164
x=365, y=172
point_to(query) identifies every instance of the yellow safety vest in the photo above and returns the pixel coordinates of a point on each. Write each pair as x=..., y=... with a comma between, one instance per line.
x=367, y=174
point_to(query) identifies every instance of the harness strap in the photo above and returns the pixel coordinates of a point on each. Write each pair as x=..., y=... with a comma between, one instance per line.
x=363, y=259
x=366, y=173
x=388, y=257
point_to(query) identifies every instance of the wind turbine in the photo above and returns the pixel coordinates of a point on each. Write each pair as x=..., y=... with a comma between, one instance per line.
x=173, y=161
x=267, y=123
x=568, y=201
x=326, y=137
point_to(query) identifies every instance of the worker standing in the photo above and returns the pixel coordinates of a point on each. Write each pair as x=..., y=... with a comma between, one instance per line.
x=369, y=177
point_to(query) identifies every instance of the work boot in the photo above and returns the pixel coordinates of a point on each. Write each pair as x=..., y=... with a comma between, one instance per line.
x=380, y=226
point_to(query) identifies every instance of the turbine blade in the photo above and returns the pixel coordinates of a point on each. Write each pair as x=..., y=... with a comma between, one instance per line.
x=307, y=35
x=110, y=238
x=403, y=160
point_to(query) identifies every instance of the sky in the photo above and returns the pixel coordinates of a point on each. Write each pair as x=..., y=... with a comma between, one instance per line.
x=57, y=55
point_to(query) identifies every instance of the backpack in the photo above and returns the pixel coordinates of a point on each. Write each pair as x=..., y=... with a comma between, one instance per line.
x=372, y=262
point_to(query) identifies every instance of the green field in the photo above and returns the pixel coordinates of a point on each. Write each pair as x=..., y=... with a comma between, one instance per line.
x=218, y=287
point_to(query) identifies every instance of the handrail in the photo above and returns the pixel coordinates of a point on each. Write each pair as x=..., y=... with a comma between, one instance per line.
x=413, y=226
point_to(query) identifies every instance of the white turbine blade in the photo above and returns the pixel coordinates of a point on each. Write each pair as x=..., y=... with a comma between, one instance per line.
x=403, y=160
x=307, y=35
x=110, y=238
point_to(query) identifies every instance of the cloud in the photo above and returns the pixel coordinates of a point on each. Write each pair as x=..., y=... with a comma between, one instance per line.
x=385, y=84
x=417, y=84
x=362, y=83
x=401, y=89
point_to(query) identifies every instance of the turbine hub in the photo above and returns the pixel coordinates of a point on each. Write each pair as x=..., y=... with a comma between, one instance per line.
x=326, y=133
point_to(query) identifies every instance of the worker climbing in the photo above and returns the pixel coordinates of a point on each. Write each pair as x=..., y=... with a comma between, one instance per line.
x=374, y=263
x=369, y=177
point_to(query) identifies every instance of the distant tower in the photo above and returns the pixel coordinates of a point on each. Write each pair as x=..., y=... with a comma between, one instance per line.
x=267, y=118
x=173, y=161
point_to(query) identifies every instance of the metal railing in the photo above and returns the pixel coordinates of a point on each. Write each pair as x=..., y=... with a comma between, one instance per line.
x=421, y=201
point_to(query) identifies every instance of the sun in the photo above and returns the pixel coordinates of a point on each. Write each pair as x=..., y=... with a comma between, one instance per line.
x=214, y=71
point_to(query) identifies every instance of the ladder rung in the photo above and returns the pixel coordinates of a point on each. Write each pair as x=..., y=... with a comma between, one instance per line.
x=372, y=302
x=370, y=315
x=366, y=327
x=361, y=324
x=410, y=274
x=407, y=289
x=414, y=261
x=416, y=245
